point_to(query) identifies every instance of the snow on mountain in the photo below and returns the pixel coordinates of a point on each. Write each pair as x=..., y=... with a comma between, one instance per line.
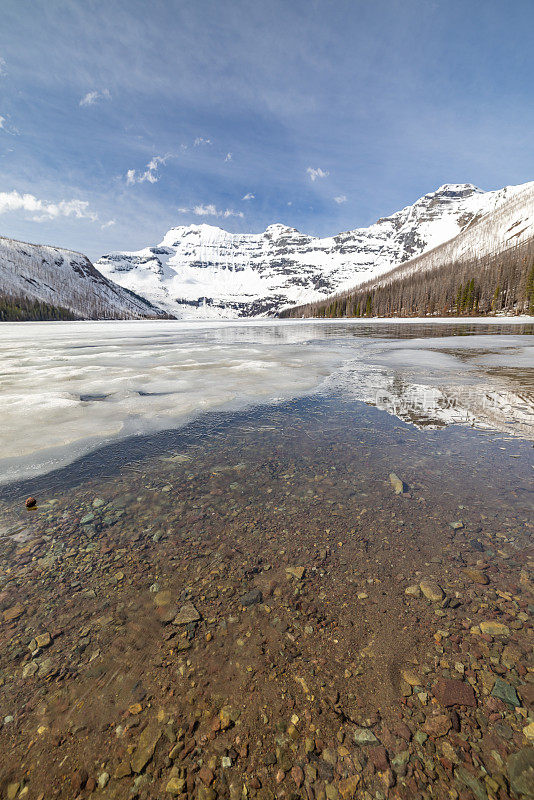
x=203, y=271
x=65, y=279
x=506, y=224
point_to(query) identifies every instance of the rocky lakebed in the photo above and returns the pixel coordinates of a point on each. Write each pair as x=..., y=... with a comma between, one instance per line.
x=300, y=602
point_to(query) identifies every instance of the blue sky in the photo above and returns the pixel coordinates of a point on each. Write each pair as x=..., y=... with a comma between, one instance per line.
x=120, y=119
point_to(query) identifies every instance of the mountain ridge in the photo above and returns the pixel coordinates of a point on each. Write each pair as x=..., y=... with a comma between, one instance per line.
x=39, y=281
x=201, y=270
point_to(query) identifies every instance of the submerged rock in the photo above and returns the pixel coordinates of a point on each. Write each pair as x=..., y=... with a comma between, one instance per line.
x=493, y=628
x=396, y=483
x=521, y=772
x=432, y=590
x=506, y=692
x=188, y=613
x=251, y=598
x=454, y=693
x=145, y=747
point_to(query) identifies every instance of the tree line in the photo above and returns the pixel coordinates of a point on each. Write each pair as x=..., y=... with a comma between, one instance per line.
x=22, y=309
x=501, y=283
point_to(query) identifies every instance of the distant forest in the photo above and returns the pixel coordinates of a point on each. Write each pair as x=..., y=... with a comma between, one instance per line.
x=494, y=284
x=22, y=309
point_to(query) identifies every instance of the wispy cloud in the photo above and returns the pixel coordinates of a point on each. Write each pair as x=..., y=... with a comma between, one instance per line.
x=341, y=198
x=317, y=172
x=3, y=70
x=108, y=224
x=150, y=174
x=249, y=196
x=200, y=141
x=7, y=127
x=228, y=157
x=93, y=97
x=210, y=210
x=41, y=211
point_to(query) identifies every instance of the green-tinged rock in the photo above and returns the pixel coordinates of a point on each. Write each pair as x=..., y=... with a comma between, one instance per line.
x=145, y=747
x=465, y=778
x=188, y=613
x=521, y=772
x=363, y=736
x=12, y=790
x=399, y=761
x=175, y=786
x=396, y=483
x=492, y=628
x=506, y=692
x=206, y=793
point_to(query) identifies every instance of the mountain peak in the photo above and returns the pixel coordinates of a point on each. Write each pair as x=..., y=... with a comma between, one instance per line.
x=278, y=229
x=458, y=189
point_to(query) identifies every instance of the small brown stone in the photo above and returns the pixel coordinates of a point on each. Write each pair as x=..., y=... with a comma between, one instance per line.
x=78, y=780
x=476, y=575
x=454, y=693
x=298, y=776
x=378, y=757
x=13, y=613
x=348, y=787
x=436, y=726
x=206, y=775
x=31, y=502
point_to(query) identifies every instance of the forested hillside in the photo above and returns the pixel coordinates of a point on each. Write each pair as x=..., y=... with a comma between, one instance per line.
x=42, y=282
x=21, y=309
x=492, y=284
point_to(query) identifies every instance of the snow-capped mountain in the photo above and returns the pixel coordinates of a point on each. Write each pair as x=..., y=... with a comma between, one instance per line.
x=204, y=271
x=67, y=280
x=509, y=223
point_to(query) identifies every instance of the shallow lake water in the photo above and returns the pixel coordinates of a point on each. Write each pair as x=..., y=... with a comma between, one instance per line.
x=226, y=580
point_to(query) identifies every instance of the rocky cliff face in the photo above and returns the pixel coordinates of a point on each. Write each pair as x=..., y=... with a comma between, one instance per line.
x=67, y=280
x=204, y=271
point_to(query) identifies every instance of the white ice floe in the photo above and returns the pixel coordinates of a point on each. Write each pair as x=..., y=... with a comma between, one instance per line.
x=66, y=389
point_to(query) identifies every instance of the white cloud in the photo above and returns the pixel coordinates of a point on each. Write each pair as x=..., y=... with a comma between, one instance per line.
x=7, y=127
x=40, y=210
x=249, y=196
x=91, y=98
x=316, y=172
x=3, y=70
x=150, y=174
x=228, y=157
x=108, y=224
x=200, y=141
x=210, y=210
x=341, y=198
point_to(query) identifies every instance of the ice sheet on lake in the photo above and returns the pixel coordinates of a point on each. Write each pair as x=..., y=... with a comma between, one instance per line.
x=68, y=388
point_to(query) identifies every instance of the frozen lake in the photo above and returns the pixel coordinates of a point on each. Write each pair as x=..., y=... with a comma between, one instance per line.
x=67, y=389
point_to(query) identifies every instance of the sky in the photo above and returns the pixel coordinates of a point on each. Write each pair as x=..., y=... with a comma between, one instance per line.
x=120, y=119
